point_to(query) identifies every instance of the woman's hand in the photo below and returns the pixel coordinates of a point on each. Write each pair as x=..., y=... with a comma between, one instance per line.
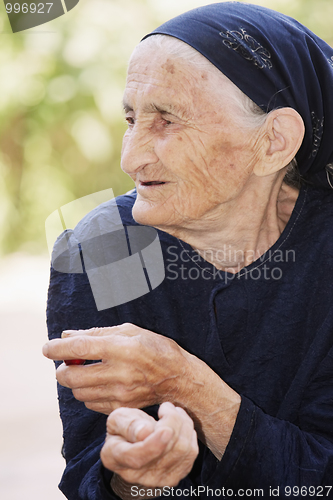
x=137, y=368
x=143, y=451
x=140, y=368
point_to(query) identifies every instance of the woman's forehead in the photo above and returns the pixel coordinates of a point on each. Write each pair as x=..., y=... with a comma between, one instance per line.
x=159, y=71
x=155, y=71
x=146, y=59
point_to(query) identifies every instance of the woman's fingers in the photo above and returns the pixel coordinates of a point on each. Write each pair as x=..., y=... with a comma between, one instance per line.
x=118, y=454
x=93, y=332
x=87, y=346
x=131, y=424
x=125, y=329
x=184, y=442
x=177, y=419
x=164, y=456
x=80, y=346
x=137, y=367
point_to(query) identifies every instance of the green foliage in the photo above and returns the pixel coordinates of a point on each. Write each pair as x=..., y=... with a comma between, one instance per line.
x=61, y=122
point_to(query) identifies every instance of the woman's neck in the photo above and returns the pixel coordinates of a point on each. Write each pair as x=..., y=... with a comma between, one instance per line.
x=246, y=229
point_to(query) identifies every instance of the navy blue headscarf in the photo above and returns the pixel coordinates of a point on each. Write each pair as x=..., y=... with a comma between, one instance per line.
x=276, y=62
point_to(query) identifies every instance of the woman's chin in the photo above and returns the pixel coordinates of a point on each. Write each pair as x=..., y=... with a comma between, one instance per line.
x=146, y=214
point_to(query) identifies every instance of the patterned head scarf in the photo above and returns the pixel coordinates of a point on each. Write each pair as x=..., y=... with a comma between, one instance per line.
x=276, y=62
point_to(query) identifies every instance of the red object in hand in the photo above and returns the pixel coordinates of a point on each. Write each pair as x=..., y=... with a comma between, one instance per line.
x=69, y=362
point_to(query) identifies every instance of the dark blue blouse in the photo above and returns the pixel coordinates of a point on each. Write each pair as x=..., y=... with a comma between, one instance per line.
x=267, y=332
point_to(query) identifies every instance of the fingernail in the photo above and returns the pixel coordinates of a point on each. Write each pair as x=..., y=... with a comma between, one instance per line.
x=138, y=429
x=45, y=350
x=65, y=333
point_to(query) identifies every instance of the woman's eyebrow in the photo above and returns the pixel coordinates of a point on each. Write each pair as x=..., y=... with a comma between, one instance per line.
x=163, y=109
x=127, y=107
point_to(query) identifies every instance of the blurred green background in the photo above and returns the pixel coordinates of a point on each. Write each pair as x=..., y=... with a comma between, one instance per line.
x=61, y=122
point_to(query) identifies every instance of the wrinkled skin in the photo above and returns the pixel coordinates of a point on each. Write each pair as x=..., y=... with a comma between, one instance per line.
x=147, y=452
x=221, y=178
x=138, y=368
x=221, y=183
x=182, y=134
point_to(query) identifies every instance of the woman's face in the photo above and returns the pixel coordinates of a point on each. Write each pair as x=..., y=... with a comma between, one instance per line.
x=184, y=147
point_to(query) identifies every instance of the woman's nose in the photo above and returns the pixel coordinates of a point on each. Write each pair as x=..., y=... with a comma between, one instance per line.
x=137, y=151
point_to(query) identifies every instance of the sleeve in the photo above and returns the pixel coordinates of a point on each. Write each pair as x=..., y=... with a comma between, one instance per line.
x=272, y=456
x=71, y=306
x=83, y=430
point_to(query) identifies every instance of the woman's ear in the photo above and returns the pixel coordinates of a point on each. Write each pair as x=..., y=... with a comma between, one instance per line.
x=283, y=135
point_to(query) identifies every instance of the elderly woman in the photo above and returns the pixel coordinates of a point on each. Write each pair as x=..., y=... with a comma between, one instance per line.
x=229, y=142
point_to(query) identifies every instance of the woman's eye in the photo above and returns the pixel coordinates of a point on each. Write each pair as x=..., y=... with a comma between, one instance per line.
x=129, y=120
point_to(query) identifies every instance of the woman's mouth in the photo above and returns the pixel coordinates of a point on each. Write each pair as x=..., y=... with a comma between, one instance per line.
x=151, y=183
